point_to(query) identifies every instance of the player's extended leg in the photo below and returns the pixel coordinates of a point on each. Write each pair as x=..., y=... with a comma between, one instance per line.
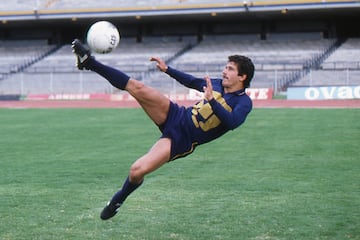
x=155, y=104
x=157, y=156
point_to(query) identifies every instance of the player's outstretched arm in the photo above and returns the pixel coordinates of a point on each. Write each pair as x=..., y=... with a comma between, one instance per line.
x=183, y=78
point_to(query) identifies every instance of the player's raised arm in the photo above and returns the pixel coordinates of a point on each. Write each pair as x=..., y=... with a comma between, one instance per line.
x=160, y=64
x=208, y=89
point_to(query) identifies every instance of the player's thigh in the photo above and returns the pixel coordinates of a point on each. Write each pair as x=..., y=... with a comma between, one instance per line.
x=154, y=103
x=157, y=156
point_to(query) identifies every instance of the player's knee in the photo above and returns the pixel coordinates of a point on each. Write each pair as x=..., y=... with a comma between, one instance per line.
x=136, y=86
x=136, y=173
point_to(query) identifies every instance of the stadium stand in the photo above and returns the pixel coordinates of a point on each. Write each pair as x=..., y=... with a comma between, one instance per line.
x=274, y=60
x=130, y=56
x=328, y=77
x=17, y=55
x=342, y=67
x=347, y=56
x=281, y=58
x=57, y=73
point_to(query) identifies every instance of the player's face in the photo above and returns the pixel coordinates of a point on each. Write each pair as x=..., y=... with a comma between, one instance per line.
x=231, y=80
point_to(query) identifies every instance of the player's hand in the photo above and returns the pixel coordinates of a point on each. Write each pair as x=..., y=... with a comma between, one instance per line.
x=208, y=89
x=160, y=64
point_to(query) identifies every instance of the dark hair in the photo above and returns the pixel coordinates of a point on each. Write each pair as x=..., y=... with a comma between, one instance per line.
x=245, y=66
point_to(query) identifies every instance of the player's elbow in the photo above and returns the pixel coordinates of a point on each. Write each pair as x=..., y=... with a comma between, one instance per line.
x=234, y=124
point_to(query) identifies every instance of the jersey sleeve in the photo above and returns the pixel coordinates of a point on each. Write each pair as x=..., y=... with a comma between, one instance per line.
x=186, y=79
x=232, y=119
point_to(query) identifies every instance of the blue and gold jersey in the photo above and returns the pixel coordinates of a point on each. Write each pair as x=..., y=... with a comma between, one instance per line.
x=205, y=120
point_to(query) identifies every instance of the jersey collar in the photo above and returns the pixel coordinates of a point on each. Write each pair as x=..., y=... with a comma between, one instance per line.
x=240, y=92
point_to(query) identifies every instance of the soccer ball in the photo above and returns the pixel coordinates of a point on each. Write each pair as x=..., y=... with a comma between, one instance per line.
x=103, y=37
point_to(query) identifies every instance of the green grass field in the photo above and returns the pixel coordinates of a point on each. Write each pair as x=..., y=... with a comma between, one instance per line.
x=285, y=174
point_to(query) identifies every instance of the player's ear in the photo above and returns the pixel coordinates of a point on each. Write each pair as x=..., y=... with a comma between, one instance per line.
x=242, y=77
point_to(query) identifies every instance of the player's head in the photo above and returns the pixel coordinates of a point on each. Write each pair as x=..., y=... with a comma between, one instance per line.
x=245, y=67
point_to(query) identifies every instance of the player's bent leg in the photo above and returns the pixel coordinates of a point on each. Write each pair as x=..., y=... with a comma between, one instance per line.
x=112, y=207
x=157, y=156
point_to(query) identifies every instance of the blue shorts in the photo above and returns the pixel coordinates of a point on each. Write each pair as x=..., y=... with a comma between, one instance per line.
x=177, y=128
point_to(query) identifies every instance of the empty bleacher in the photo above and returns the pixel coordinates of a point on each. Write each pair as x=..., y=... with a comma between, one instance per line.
x=347, y=56
x=330, y=77
x=274, y=59
x=342, y=67
x=17, y=55
x=57, y=73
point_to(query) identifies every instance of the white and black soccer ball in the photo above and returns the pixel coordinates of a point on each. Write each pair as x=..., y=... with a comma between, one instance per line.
x=103, y=37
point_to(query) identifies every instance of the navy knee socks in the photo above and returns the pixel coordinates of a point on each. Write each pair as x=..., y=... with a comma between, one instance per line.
x=116, y=77
x=125, y=191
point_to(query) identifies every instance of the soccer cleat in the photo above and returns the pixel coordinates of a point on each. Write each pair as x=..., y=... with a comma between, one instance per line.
x=83, y=54
x=110, y=210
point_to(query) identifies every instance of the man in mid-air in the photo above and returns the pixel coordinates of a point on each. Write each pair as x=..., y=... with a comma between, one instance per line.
x=225, y=107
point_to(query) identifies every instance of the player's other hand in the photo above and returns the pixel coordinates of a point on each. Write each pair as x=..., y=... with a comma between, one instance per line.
x=160, y=64
x=208, y=89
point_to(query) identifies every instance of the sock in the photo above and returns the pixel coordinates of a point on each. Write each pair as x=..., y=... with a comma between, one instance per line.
x=116, y=77
x=125, y=191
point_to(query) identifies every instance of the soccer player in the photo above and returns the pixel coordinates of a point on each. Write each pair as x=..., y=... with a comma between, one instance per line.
x=225, y=107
